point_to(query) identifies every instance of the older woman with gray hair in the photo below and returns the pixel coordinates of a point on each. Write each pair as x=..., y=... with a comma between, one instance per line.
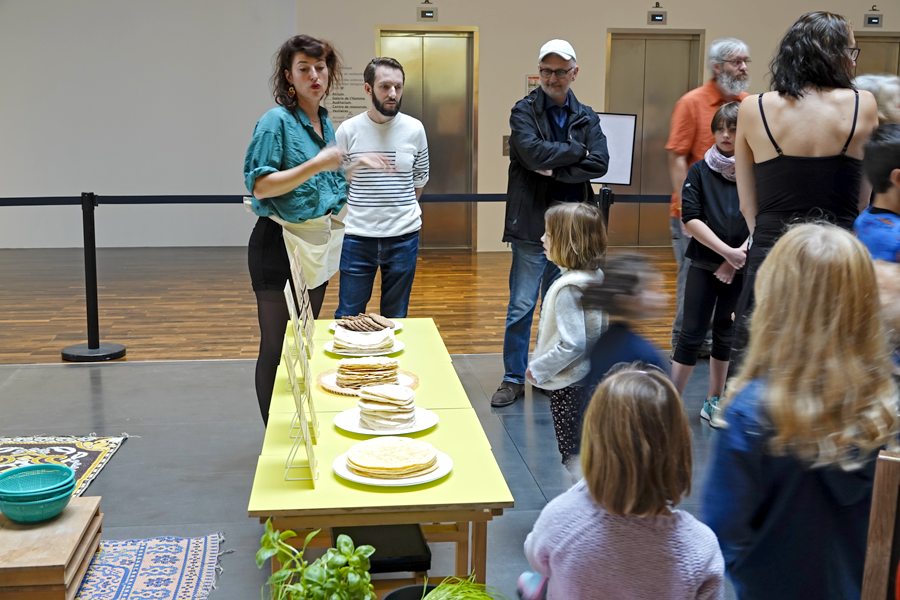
x=886, y=89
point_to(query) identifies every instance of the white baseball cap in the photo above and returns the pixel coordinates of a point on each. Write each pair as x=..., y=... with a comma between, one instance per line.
x=561, y=47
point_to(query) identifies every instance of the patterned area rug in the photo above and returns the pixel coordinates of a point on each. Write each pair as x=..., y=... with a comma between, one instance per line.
x=165, y=568
x=86, y=455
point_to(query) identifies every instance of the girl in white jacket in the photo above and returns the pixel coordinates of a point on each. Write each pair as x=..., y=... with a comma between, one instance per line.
x=575, y=240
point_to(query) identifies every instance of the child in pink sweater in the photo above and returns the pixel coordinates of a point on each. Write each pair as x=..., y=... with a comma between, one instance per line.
x=615, y=534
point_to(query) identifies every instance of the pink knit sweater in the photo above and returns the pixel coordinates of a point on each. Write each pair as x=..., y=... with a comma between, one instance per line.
x=589, y=553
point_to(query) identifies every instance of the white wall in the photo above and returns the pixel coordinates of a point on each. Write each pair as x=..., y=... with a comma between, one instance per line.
x=126, y=97
x=132, y=97
x=512, y=32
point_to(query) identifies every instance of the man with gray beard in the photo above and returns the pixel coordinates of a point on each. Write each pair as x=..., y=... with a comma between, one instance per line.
x=690, y=136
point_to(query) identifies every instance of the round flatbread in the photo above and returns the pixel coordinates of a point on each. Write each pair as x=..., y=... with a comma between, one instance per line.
x=392, y=458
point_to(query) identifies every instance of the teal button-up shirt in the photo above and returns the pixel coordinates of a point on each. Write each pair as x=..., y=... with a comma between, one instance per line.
x=281, y=142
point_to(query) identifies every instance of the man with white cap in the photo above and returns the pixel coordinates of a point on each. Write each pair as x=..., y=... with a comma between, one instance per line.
x=556, y=147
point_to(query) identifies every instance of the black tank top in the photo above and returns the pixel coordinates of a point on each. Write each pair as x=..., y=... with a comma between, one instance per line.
x=794, y=188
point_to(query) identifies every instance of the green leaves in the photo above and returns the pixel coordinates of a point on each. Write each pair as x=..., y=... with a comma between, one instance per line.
x=341, y=574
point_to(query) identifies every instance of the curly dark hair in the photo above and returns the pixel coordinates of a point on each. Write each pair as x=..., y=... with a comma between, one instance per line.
x=812, y=52
x=284, y=59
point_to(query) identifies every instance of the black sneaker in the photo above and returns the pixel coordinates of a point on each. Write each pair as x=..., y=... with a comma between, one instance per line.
x=507, y=393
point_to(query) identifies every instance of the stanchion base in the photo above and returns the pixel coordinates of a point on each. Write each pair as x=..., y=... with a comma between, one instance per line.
x=81, y=352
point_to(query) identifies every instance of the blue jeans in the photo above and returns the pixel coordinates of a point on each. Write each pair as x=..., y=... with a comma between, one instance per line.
x=529, y=274
x=360, y=259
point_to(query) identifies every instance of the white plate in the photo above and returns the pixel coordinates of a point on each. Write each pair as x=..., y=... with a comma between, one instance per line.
x=397, y=327
x=397, y=347
x=445, y=465
x=402, y=379
x=349, y=421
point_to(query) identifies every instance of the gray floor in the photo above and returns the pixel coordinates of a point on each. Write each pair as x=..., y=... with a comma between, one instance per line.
x=197, y=434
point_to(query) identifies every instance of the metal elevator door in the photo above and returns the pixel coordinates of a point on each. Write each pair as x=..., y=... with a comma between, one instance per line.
x=647, y=75
x=439, y=92
x=878, y=54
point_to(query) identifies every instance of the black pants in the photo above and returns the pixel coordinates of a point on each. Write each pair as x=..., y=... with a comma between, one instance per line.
x=705, y=297
x=744, y=311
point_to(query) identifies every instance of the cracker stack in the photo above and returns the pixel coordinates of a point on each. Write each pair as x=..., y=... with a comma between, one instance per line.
x=353, y=342
x=366, y=322
x=387, y=407
x=392, y=458
x=360, y=372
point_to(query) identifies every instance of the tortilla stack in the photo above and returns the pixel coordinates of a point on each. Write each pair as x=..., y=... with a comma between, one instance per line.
x=359, y=372
x=387, y=407
x=392, y=458
x=355, y=342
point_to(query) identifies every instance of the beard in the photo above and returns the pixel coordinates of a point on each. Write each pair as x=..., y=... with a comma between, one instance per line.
x=734, y=85
x=387, y=112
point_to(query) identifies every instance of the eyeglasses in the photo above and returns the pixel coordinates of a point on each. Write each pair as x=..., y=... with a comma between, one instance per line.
x=738, y=62
x=560, y=73
x=853, y=53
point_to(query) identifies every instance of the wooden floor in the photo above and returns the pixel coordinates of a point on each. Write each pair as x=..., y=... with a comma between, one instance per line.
x=196, y=303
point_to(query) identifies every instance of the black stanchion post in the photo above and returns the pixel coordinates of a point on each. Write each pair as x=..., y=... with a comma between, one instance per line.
x=93, y=351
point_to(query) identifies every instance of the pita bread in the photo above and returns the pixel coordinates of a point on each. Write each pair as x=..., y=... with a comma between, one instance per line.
x=350, y=342
x=392, y=458
x=359, y=372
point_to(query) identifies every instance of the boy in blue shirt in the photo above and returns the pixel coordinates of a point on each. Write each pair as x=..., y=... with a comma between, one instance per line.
x=878, y=226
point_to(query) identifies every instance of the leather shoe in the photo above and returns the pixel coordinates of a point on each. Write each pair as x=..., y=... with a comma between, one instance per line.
x=507, y=393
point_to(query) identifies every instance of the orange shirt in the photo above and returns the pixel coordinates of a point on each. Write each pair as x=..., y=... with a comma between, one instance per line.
x=689, y=131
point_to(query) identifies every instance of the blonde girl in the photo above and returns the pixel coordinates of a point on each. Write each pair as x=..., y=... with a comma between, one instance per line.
x=616, y=533
x=574, y=240
x=790, y=483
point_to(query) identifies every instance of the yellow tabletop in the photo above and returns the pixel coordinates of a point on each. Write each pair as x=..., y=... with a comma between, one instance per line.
x=475, y=481
x=278, y=439
x=425, y=356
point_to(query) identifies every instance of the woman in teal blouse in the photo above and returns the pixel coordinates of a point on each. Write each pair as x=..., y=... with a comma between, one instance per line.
x=293, y=169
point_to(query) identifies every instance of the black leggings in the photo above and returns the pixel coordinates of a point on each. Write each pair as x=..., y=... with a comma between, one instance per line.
x=704, y=294
x=273, y=317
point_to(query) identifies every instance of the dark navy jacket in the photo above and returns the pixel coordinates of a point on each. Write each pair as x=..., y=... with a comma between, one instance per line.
x=532, y=146
x=786, y=530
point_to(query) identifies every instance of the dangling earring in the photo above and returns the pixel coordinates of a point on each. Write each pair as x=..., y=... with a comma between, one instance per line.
x=291, y=91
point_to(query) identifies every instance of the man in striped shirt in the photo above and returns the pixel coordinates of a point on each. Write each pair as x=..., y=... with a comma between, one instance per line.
x=383, y=215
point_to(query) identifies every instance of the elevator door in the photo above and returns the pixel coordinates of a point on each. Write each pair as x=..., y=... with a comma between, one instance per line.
x=878, y=55
x=439, y=92
x=647, y=75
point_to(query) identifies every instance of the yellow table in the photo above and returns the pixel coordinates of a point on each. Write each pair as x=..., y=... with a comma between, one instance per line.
x=470, y=496
x=425, y=356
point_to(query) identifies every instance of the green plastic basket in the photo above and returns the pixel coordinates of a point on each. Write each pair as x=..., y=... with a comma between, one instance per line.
x=31, y=479
x=35, y=496
x=34, y=512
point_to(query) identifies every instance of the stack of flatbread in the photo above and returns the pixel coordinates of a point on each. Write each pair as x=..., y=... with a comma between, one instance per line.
x=366, y=322
x=385, y=407
x=354, y=342
x=360, y=372
x=392, y=458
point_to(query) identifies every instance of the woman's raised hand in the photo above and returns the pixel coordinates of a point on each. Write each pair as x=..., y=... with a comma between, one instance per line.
x=330, y=158
x=375, y=160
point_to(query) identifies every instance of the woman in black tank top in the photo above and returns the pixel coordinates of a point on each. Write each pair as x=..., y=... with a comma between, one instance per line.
x=814, y=62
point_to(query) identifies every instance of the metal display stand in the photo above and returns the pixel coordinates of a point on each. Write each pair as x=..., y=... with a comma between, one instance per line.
x=93, y=350
x=304, y=437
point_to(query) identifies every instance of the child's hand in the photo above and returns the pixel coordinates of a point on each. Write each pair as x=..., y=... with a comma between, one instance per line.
x=736, y=257
x=530, y=377
x=725, y=273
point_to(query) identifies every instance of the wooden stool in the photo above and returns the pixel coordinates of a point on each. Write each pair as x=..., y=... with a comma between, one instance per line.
x=47, y=561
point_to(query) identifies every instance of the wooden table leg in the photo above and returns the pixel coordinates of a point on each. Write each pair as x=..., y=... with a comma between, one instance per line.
x=462, y=551
x=479, y=550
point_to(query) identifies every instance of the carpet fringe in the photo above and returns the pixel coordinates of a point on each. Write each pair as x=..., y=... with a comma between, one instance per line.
x=219, y=568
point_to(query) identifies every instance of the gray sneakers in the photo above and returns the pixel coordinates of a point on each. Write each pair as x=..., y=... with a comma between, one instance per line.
x=507, y=393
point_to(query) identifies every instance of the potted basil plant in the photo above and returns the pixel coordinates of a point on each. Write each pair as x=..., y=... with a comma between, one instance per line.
x=341, y=574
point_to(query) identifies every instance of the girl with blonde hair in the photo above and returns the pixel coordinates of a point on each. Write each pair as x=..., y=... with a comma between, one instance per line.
x=616, y=533
x=790, y=483
x=574, y=240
